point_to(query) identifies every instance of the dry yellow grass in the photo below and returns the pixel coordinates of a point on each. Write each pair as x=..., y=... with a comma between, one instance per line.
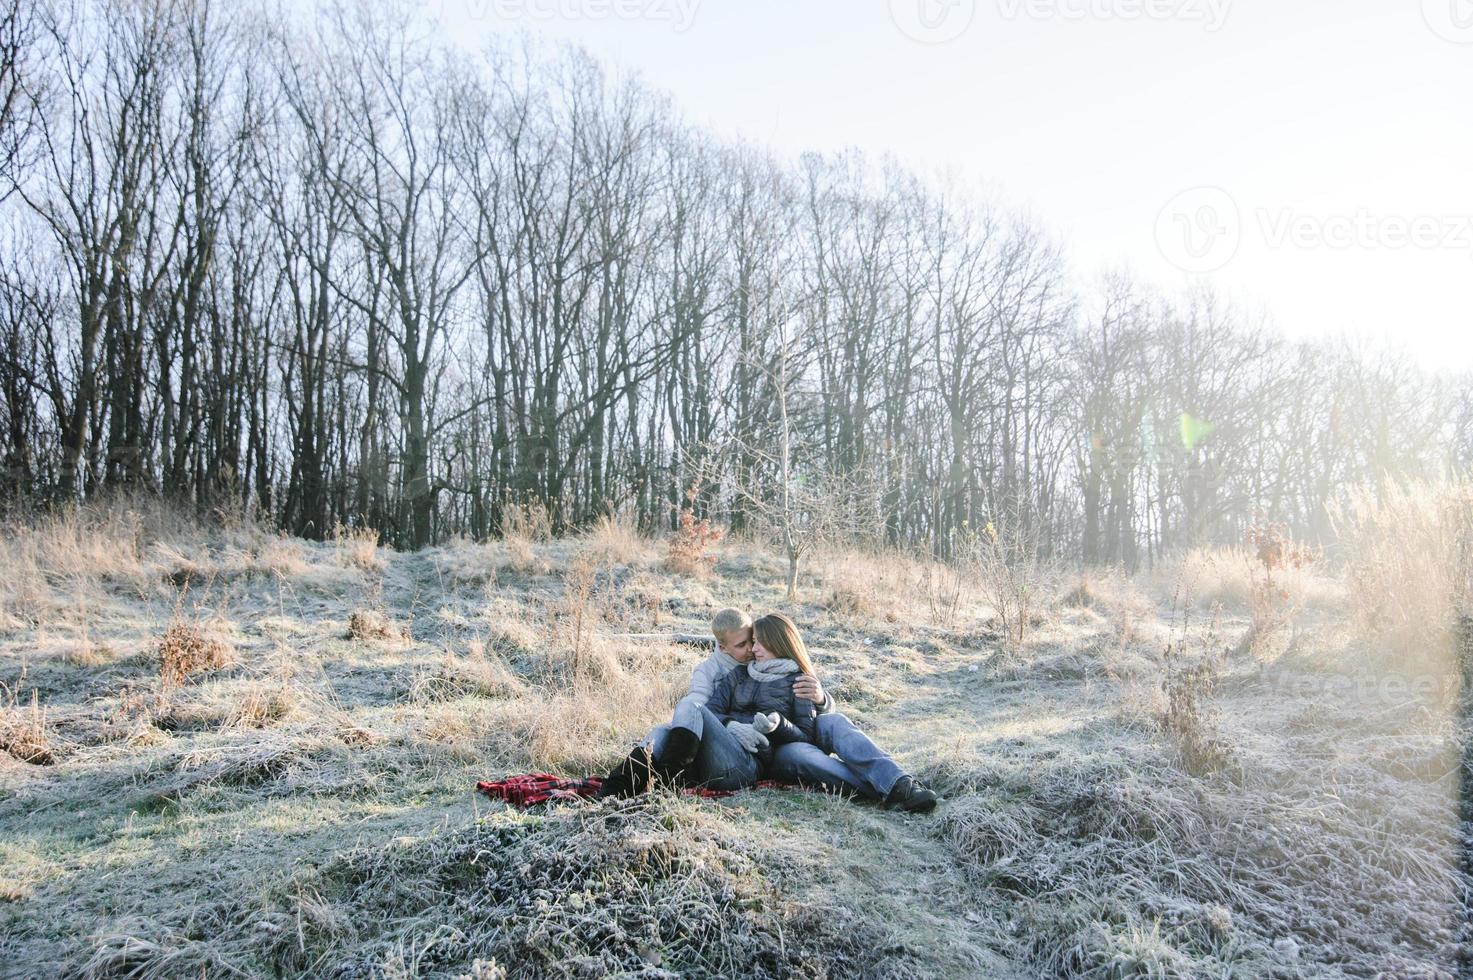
x=23, y=730
x=871, y=586
x=479, y=673
x=48, y=563
x=86, y=653
x=357, y=547
x=262, y=704
x=1408, y=556
x=523, y=528
x=614, y=540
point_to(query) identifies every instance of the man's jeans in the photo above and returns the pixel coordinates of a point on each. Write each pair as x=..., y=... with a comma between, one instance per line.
x=862, y=766
x=686, y=716
x=721, y=762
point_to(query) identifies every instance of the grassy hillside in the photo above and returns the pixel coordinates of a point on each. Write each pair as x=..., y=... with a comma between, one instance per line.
x=229, y=753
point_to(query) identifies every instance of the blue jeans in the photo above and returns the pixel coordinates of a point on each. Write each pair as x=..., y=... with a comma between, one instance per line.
x=862, y=767
x=721, y=762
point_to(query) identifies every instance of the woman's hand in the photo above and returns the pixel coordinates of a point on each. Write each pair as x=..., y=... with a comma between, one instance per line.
x=747, y=736
x=766, y=724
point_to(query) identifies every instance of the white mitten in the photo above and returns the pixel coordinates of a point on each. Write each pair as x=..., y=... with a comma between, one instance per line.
x=767, y=723
x=747, y=736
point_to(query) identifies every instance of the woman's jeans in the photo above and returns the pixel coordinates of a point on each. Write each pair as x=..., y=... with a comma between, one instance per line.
x=862, y=767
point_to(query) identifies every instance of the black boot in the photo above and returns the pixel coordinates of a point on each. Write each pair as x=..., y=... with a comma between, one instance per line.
x=677, y=755
x=911, y=796
x=633, y=776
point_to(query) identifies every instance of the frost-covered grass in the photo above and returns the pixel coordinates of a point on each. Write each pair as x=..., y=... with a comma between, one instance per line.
x=306, y=808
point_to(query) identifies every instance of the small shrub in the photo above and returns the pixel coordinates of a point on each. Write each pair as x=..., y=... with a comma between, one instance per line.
x=1013, y=575
x=942, y=588
x=188, y=649
x=369, y=624
x=578, y=589
x=1189, y=715
x=530, y=522
x=523, y=558
x=1271, y=601
x=1082, y=596
x=848, y=602
x=582, y=654
x=691, y=543
x=523, y=525
x=23, y=731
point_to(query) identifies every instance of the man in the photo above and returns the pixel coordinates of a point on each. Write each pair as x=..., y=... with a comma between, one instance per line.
x=721, y=757
x=725, y=756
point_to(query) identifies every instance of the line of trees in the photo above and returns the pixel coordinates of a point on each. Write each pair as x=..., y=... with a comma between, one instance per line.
x=333, y=270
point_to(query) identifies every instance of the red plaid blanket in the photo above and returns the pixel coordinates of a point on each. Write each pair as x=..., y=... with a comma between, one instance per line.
x=539, y=787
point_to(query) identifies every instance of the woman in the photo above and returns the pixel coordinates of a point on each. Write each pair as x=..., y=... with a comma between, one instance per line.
x=760, y=695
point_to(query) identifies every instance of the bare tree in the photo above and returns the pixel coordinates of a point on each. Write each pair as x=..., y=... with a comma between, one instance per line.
x=334, y=272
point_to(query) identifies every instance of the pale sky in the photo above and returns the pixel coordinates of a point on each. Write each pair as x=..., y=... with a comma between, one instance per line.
x=1319, y=153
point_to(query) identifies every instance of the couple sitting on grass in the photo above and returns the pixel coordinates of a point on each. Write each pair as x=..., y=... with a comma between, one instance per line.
x=757, y=711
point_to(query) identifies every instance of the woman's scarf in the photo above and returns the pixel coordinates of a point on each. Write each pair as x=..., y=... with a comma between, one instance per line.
x=763, y=671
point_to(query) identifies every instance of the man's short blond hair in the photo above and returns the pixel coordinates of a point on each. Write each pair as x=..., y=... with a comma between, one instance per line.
x=729, y=621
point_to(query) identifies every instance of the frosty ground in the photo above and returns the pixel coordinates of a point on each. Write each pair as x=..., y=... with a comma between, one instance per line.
x=229, y=753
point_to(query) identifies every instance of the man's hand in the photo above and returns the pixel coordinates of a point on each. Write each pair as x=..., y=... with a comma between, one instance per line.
x=747, y=736
x=808, y=688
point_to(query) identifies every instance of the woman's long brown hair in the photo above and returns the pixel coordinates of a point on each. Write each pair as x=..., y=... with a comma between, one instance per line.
x=780, y=636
